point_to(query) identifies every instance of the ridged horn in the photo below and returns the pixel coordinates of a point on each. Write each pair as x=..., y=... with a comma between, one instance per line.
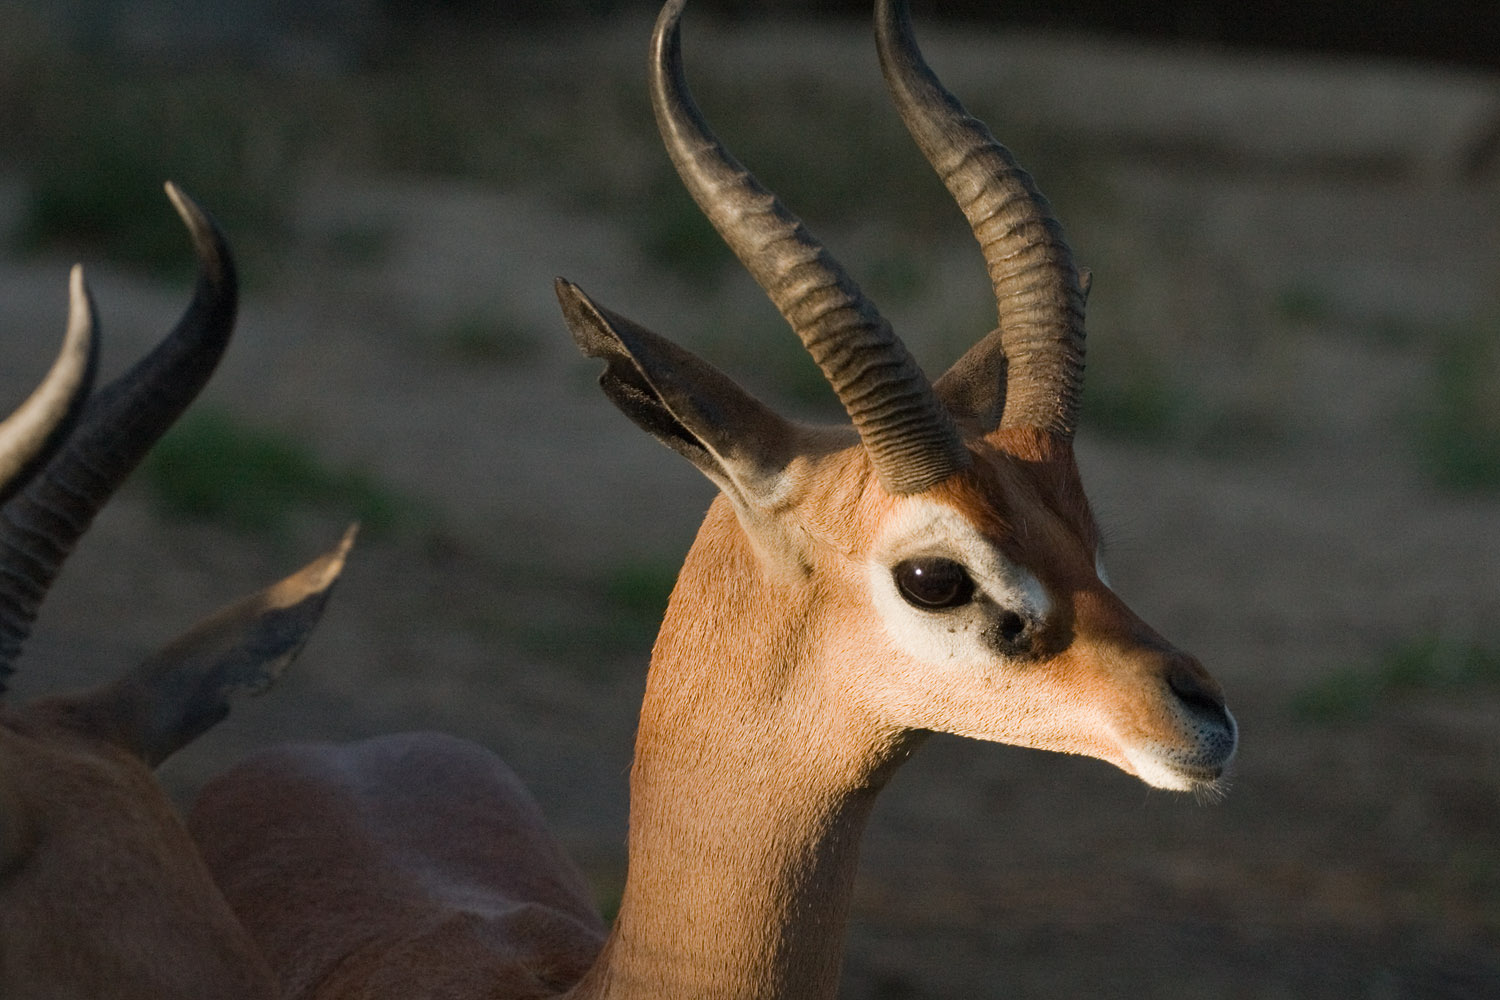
x=1037, y=291
x=38, y=427
x=41, y=524
x=910, y=438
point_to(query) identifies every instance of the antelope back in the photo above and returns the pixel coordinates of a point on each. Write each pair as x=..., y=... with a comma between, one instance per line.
x=407, y=865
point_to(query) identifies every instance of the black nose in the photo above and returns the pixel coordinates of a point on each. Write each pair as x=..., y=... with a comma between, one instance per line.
x=1195, y=689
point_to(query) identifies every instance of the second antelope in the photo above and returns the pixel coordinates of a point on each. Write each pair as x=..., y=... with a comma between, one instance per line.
x=931, y=568
x=102, y=893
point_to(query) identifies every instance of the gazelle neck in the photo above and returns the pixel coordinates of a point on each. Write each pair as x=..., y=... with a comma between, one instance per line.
x=750, y=789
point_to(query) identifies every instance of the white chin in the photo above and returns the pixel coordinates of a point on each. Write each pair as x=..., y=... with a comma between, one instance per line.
x=1159, y=774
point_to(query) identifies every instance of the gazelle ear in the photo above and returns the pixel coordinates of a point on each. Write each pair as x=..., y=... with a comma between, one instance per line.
x=683, y=401
x=973, y=390
x=181, y=691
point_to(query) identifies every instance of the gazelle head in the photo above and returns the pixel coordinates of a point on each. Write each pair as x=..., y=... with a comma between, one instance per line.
x=102, y=893
x=941, y=558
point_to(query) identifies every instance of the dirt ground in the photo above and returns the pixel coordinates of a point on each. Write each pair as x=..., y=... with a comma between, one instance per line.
x=1289, y=240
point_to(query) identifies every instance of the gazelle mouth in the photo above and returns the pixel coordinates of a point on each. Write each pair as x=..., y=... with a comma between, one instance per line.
x=1172, y=773
x=1199, y=767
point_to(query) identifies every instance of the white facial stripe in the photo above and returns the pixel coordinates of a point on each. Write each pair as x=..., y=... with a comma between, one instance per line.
x=925, y=528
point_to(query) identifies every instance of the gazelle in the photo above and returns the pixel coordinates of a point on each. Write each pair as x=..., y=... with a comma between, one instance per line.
x=932, y=568
x=102, y=893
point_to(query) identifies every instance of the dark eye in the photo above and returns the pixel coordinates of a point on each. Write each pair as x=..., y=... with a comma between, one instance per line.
x=933, y=583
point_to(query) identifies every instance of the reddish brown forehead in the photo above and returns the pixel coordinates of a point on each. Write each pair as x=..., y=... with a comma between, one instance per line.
x=1023, y=491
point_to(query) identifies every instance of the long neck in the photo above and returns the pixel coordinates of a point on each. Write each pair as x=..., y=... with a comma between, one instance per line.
x=750, y=790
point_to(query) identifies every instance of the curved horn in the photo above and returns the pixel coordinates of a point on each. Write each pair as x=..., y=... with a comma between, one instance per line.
x=1037, y=289
x=907, y=432
x=30, y=435
x=39, y=526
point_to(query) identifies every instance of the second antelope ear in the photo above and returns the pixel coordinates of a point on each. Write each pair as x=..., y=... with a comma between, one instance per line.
x=181, y=691
x=684, y=402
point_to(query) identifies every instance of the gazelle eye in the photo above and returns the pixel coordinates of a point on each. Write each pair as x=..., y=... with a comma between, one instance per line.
x=933, y=583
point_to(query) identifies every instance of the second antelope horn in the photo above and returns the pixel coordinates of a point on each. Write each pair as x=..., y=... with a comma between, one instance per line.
x=41, y=524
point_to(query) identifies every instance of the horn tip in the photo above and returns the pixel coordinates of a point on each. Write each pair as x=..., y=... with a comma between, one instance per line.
x=665, y=35
x=215, y=262
x=319, y=576
x=82, y=322
x=186, y=207
x=347, y=541
x=79, y=305
x=333, y=562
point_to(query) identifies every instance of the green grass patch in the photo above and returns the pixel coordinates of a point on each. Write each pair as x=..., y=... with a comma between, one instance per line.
x=1304, y=305
x=896, y=278
x=677, y=238
x=482, y=340
x=1345, y=695
x=637, y=593
x=212, y=467
x=360, y=242
x=95, y=144
x=1133, y=401
x=1419, y=664
x=1458, y=425
x=613, y=616
x=765, y=356
x=1132, y=395
x=608, y=898
x=1435, y=662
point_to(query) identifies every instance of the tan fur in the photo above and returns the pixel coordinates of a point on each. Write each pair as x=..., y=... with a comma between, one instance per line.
x=763, y=738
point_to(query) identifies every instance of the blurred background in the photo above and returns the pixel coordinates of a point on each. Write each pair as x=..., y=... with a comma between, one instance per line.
x=1291, y=428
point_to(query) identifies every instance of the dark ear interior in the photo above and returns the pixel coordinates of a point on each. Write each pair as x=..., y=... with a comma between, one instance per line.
x=603, y=335
x=181, y=691
x=680, y=399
